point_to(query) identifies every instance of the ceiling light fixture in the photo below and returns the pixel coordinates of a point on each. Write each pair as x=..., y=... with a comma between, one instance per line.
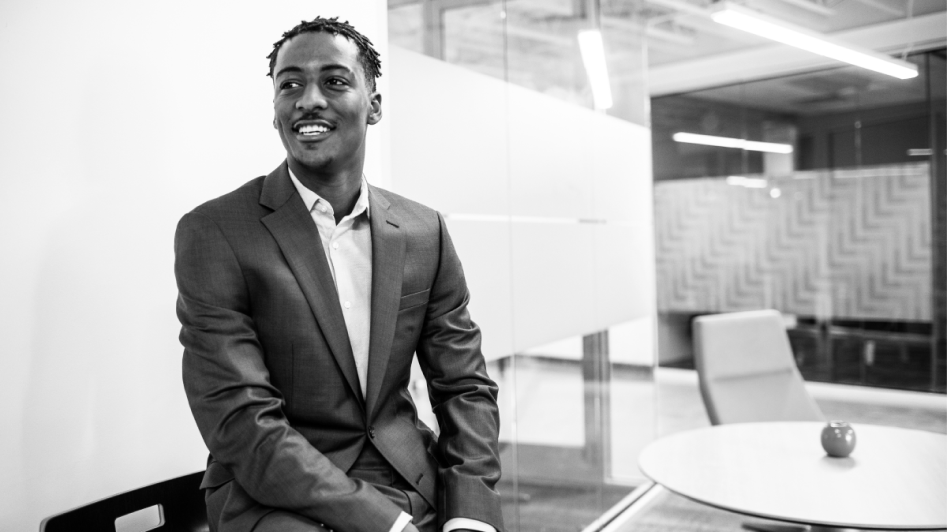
x=728, y=142
x=593, y=56
x=750, y=21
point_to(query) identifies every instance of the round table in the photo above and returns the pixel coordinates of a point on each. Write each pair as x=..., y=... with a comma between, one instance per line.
x=894, y=479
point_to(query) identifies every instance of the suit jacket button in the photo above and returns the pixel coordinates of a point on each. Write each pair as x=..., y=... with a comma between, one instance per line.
x=371, y=432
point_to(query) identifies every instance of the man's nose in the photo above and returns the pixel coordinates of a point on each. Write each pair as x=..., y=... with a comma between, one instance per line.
x=312, y=98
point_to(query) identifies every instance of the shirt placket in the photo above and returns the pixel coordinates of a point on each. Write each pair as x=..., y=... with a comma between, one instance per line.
x=339, y=248
x=337, y=241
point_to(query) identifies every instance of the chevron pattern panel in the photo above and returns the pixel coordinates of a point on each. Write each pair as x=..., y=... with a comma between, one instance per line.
x=852, y=244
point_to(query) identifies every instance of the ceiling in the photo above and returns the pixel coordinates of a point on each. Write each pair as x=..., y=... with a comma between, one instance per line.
x=533, y=42
x=835, y=90
x=826, y=16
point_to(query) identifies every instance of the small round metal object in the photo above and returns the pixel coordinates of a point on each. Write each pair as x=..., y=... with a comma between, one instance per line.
x=838, y=439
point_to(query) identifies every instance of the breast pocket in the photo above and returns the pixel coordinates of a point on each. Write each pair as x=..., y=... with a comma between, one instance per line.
x=414, y=300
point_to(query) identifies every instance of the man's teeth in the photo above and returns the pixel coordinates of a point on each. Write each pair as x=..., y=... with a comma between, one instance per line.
x=313, y=129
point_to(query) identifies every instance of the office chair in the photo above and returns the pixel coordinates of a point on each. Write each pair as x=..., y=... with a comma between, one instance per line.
x=180, y=504
x=747, y=371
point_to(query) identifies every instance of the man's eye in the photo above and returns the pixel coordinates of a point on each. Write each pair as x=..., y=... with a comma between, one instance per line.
x=336, y=81
x=289, y=85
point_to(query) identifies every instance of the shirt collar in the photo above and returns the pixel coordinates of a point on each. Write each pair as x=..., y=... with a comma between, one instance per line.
x=310, y=198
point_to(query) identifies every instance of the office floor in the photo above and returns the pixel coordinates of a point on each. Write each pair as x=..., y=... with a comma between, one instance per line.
x=553, y=461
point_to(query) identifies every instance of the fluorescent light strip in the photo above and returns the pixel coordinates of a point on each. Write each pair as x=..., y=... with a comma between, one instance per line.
x=727, y=142
x=593, y=56
x=752, y=22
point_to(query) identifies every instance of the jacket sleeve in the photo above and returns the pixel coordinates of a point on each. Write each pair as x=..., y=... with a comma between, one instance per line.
x=238, y=411
x=463, y=397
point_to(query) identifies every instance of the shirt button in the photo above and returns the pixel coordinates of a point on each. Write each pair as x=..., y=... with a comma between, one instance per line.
x=371, y=432
x=335, y=245
x=348, y=305
x=321, y=207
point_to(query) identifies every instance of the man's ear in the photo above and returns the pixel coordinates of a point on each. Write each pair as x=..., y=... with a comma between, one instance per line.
x=274, y=123
x=374, y=114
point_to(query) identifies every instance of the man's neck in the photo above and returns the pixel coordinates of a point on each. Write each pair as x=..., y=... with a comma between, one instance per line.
x=340, y=189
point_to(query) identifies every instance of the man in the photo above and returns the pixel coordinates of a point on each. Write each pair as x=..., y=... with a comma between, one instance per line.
x=303, y=296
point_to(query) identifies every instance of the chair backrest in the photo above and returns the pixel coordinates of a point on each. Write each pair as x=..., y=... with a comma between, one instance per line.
x=180, y=502
x=747, y=371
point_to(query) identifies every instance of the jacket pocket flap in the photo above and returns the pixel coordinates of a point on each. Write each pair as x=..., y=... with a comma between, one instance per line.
x=415, y=299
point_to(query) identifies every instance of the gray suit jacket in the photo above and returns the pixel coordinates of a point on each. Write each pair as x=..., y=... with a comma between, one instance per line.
x=270, y=376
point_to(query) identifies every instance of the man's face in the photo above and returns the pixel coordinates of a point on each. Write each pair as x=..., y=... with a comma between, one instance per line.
x=323, y=103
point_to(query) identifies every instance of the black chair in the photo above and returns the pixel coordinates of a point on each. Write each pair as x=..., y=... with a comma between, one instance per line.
x=180, y=503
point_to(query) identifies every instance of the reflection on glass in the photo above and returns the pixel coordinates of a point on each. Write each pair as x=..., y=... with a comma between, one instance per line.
x=532, y=44
x=552, y=249
x=841, y=235
x=473, y=37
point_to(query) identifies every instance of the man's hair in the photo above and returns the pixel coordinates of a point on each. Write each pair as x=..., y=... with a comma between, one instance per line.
x=367, y=55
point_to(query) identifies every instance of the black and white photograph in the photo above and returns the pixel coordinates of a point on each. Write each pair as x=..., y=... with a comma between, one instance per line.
x=473, y=265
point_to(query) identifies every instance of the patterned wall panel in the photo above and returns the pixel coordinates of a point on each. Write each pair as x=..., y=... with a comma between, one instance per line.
x=852, y=244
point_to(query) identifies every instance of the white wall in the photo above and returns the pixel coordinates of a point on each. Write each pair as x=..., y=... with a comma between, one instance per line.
x=118, y=117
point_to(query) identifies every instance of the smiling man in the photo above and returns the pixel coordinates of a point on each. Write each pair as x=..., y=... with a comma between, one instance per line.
x=303, y=297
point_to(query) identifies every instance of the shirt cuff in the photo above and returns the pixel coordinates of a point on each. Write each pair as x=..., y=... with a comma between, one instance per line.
x=472, y=524
x=401, y=522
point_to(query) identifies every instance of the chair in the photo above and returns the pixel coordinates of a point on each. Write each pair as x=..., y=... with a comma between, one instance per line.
x=180, y=502
x=747, y=371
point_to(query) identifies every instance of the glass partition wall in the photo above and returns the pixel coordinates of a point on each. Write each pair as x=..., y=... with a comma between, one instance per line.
x=838, y=222
x=505, y=121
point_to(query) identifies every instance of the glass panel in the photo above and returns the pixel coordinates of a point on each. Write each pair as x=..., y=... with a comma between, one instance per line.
x=474, y=37
x=543, y=49
x=405, y=26
x=838, y=234
x=937, y=101
x=548, y=202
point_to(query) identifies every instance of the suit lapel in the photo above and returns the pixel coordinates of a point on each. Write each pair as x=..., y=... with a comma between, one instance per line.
x=387, y=273
x=298, y=238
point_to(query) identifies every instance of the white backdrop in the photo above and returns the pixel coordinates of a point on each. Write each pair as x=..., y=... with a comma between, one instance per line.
x=117, y=118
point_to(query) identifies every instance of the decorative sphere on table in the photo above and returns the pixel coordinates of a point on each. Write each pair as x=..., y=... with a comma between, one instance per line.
x=838, y=439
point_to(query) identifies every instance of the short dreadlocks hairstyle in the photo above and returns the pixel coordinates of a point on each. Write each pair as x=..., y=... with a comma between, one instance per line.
x=367, y=55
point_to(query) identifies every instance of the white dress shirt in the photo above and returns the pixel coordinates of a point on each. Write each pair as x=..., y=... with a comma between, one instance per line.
x=348, y=249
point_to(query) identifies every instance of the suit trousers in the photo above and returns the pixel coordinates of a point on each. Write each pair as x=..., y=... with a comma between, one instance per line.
x=371, y=467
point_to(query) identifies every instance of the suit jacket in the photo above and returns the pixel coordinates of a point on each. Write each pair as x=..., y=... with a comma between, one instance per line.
x=271, y=380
